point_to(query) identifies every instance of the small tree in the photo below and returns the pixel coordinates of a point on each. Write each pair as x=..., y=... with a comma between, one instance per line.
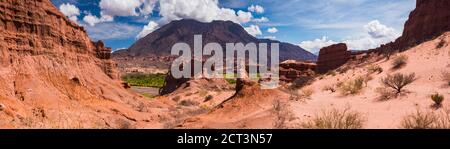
x=398, y=81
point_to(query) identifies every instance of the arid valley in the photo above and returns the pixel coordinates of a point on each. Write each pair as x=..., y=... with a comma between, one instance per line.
x=54, y=75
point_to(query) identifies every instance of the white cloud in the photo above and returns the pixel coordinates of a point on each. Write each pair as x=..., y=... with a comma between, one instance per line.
x=253, y=30
x=376, y=35
x=270, y=37
x=150, y=27
x=315, y=45
x=119, y=7
x=93, y=20
x=111, y=8
x=261, y=20
x=201, y=10
x=272, y=30
x=256, y=8
x=244, y=17
x=378, y=30
x=71, y=11
x=148, y=6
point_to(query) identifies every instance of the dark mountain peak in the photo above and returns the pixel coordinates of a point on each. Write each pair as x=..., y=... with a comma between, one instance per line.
x=159, y=42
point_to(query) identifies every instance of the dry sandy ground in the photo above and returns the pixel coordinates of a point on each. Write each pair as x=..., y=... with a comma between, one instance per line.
x=256, y=108
x=425, y=60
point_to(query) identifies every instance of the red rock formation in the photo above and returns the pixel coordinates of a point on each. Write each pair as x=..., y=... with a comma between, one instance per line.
x=290, y=70
x=332, y=57
x=49, y=64
x=430, y=19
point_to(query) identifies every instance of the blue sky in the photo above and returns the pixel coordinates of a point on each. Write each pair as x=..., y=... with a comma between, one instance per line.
x=311, y=24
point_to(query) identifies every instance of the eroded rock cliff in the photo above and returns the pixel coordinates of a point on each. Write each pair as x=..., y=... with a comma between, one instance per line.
x=53, y=76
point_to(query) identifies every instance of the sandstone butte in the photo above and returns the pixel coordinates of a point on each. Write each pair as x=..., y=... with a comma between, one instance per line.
x=53, y=76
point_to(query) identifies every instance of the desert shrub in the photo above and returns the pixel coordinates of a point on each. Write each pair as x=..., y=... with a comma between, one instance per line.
x=375, y=69
x=388, y=53
x=306, y=93
x=188, y=103
x=282, y=113
x=301, y=82
x=145, y=80
x=352, y=87
x=331, y=73
x=399, y=62
x=437, y=99
x=331, y=88
x=208, y=98
x=342, y=70
x=398, y=81
x=440, y=44
x=367, y=79
x=446, y=77
x=427, y=120
x=176, y=98
x=384, y=93
x=336, y=119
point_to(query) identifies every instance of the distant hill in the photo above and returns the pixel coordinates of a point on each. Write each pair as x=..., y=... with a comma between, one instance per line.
x=157, y=45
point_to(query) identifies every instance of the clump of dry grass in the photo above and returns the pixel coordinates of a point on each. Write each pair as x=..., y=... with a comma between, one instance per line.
x=399, y=62
x=398, y=81
x=301, y=82
x=374, y=69
x=440, y=44
x=331, y=88
x=427, y=120
x=188, y=103
x=282, y=113
x=385, y=93
x=352, y=87
x=306, y=93
x=336, y=119
x=208, y=98
x=176, y=98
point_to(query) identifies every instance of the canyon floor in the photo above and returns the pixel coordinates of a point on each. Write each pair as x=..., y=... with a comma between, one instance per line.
x=284, y=108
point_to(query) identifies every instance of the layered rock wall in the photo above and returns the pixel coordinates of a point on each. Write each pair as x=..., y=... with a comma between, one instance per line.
x=332, y=57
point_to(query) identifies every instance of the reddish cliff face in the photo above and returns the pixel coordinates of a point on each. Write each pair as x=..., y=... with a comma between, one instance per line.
x=291, y=70
x=430, y=19
x=52, y=75
x=332, y=57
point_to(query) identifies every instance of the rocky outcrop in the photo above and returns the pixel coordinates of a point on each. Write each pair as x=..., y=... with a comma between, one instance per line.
x=430, y=19
x=332, y=57
x=49, y=65
x=291, y=70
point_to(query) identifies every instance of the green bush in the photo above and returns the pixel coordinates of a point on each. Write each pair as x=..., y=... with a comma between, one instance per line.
x=145, y=80
x=437, y=99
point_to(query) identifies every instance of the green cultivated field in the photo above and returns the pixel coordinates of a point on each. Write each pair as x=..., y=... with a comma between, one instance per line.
x=145, y=80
